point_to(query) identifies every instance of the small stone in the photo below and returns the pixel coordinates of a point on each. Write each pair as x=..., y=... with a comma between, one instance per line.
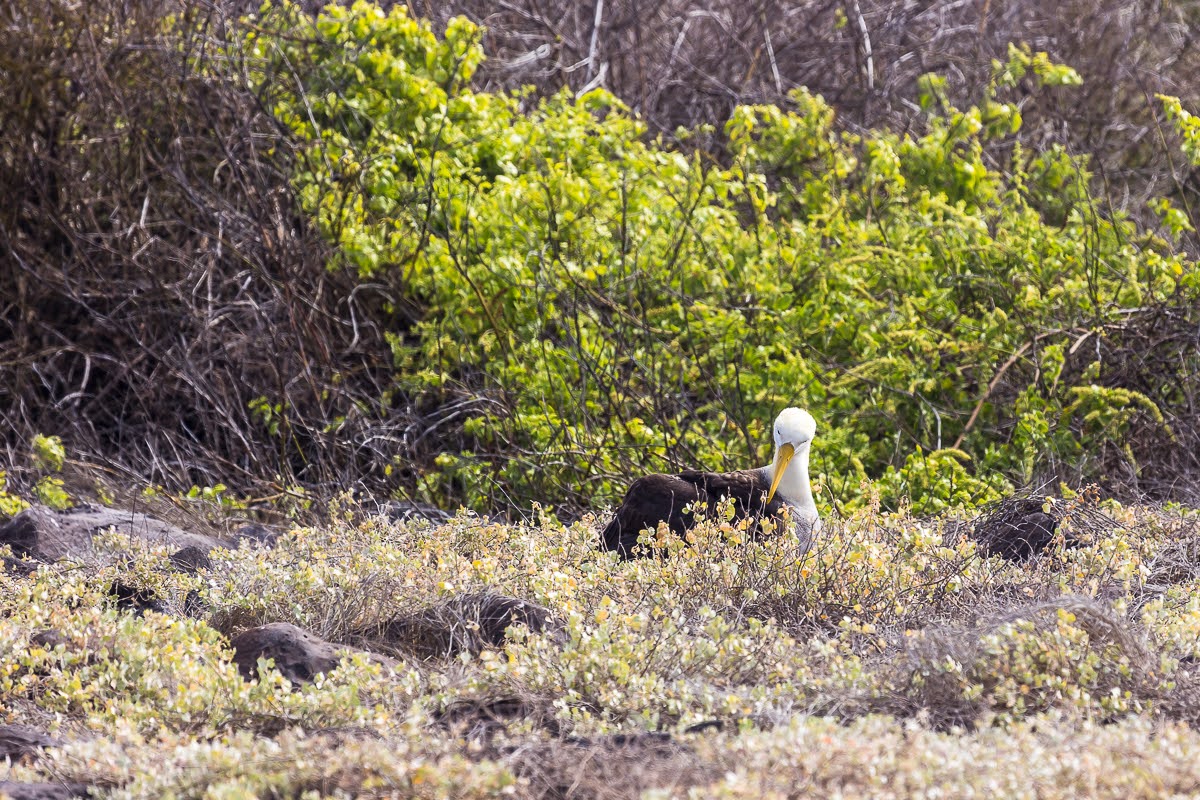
x=18, y=566
x=257, y=533
x=298, y=655
x=21, y=741
x=48, y=639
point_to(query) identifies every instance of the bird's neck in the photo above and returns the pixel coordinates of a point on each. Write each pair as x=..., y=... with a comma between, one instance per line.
x=794, y=488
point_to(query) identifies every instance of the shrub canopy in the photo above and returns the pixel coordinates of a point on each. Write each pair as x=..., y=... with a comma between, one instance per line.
x=590, y=302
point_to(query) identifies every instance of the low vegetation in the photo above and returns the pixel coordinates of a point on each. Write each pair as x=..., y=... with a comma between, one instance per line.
x=890, y=654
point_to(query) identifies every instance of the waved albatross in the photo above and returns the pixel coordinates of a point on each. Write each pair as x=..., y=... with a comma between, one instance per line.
x=777, y=489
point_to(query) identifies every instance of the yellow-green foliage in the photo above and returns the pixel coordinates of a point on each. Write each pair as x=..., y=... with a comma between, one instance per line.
x=49, y=491
x=607, y=303
x=10, y=504
x=48, y=453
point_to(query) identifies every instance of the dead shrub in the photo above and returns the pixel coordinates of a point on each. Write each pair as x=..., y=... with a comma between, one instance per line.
x=463, y=623
x=163, y=306
x=608, y=767
x=952, y=676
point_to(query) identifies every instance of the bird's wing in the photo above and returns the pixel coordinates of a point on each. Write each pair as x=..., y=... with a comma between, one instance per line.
x=650, y=500
x=746, y=488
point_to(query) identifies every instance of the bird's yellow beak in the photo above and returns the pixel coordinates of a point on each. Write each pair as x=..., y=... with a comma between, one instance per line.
x=781, y=461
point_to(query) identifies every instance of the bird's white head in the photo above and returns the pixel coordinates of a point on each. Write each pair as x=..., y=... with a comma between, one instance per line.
x=794, y=432
x=794, y=426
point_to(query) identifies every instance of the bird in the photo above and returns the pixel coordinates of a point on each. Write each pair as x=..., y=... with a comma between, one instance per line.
x=780, y=490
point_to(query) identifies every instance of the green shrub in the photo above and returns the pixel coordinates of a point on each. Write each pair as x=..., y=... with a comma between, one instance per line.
x=590, y=302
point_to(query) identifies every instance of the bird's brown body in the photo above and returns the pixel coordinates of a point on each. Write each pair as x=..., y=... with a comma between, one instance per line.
x=664, y=498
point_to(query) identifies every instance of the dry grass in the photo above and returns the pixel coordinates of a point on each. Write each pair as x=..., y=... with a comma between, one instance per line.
x=460, y=624
x=608, y=768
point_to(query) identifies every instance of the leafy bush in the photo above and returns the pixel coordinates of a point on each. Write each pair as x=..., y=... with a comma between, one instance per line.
x=582, y=301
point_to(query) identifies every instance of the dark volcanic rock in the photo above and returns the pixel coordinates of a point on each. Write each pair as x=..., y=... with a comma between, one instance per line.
x=467, y=622
x=136, y=599
x=18, y=742
x=91, y=648
x=191, y=559
x=19, y=567
x=21, y=532
x=194, y=605
x=255, y=533
x=299, y=656
x=48, y=639
x=52, y=535
x=42, y=791
x=1016, y=529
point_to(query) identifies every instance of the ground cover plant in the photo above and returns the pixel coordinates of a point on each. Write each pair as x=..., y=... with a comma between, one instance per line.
x=888, y=659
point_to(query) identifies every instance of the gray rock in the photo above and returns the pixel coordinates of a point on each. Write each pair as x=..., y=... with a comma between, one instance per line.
x=298, y=655
x=42, y=533
x=42, y=791
x=21, y=741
